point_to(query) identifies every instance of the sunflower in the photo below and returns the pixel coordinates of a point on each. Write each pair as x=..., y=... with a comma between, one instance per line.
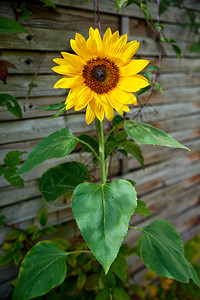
x=102, y=75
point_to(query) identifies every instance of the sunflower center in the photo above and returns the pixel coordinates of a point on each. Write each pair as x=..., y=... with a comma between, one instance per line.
x=101, y=75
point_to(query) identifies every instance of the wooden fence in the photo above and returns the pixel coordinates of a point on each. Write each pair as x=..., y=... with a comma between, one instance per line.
x=169, y=183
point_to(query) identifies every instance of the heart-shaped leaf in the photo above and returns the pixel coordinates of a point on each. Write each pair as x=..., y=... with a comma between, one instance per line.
x=147, y=134
x=58, y=144
x=102, y=212
x=162, y=251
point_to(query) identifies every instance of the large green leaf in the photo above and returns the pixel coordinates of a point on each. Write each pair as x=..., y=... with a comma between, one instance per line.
x=8, y=25
x=43, y=268
x=162, y=251
x=147, y=134
x=102, y=213
x=58, y=144
x=62, y=180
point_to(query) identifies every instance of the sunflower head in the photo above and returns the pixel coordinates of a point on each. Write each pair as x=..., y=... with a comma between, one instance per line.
x=101, y=76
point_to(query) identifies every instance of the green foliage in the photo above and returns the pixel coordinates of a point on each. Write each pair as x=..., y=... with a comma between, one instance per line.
x=43, y=217
x=62, y=180
x=119, y=3
x=24, y=11
x=88, y=140
x=158, y=86
x=133, y=148
x=141, y=209
x=147, y=134
x=49, y=3
x=43, y=268
x=2, y=217
x=119, y=267
x=57, y=144
x=55, y=106
x=119, y=294
x=8, y=25
x=110, y=208
x=195, y=47
x=118, y=121
x=6, y=257
x=12, y=105
x=12, y=160
x=60, y=112
x=161, y=249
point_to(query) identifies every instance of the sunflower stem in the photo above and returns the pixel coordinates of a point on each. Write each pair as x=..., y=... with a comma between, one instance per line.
x=86, y=144
x=101, y=151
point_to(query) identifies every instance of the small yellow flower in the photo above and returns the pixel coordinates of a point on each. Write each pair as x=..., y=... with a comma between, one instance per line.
x=102, y=75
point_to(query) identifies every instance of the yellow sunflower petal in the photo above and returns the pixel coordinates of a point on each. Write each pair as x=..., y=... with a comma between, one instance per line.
x=94, y=43
x=82, y=97
x=70, y=97
x=119, y=107
x=90, y=114
x=129, y=50
x=106, y=37
x=68, y=70
x=72, y=58
x=133, y=67
x=69, y=105
x=79, y=46
x=133, y=83
x=123, y=96
x=68, y=82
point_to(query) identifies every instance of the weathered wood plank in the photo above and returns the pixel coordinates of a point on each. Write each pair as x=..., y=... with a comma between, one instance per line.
x=44, y=40
x=31, y=108
x=42, y=85
x=39, y=128
x=28, y=62
x=154, y=176
x=183, y=136
x=164, y=173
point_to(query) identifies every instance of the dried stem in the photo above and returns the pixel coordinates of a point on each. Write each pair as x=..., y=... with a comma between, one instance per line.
x=99, y=21
x=158, y=65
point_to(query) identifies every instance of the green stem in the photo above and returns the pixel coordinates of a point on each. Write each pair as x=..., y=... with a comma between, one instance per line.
x=134, y=227
x=107, y=166
x=101, y=151
x=80, y=251
x=86, y=144
x=108, y=135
